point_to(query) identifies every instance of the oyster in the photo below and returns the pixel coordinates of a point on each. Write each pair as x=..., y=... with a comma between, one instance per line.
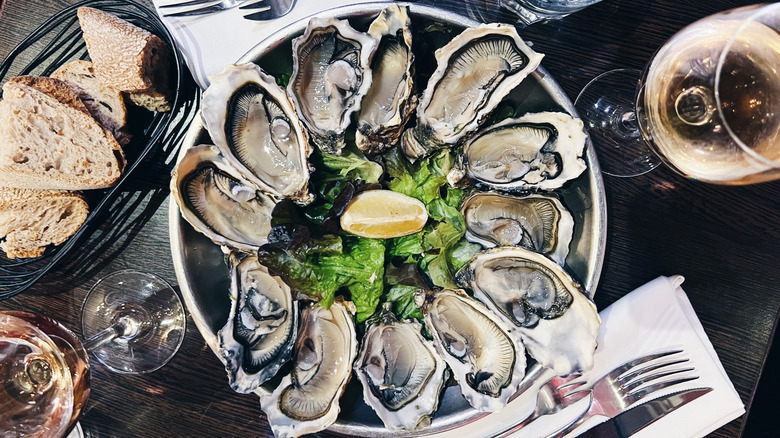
x=538, y=222
x=565, y=344
x=218, y=202
x=402, y=375
x=486, y=357
x=260, y=332
x=391, y=99
x=307, y=399
x=331, y=74
x=254, y=125
x=475, y=71
x=536, y=151
x=529, y=291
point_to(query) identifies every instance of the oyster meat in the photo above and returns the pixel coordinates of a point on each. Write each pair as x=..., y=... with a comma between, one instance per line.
x=536, y=151
x=307, y=399
x=254, y=125
x=218, y=202
x=485, y=356
x=475, y=71
x=556, y=321
x=538, y=222
x=391, y=99
x=260, y=332
x=331, y=74
x=565, y=344
x=401, y=373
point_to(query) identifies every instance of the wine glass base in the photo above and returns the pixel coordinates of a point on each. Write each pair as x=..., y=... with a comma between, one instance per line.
x=150, y=316
x=607, y=107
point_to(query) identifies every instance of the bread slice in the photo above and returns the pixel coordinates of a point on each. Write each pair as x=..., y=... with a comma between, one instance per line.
x=30, y=220
x=127, y=58
x=106, y=104
x=48, y=140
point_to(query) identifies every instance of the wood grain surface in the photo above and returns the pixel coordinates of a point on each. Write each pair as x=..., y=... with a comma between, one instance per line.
x=724, y=240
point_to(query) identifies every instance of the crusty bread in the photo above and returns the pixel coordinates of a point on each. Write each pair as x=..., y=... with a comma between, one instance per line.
x=30, y=220
x=127, y=58
x=48, y=140
x=106, y=104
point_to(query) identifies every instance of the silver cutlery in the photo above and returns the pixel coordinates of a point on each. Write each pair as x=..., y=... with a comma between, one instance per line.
x=631, y=382
x=555, y=395
x=640, y=416
x=206, y=7
x=268, y=9
x=271, y=9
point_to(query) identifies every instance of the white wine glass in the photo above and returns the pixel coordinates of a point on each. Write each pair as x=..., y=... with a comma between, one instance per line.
x=44, y=376
x=707, y=105
x=134, y=322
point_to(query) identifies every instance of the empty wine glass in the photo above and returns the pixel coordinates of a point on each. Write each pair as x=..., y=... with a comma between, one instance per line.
x=707, y=105
x=134, y=321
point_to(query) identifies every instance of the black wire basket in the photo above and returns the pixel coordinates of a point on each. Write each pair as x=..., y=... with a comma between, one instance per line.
x=156, y=136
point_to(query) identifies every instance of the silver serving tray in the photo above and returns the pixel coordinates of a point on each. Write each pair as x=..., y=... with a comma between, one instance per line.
x=202, y=272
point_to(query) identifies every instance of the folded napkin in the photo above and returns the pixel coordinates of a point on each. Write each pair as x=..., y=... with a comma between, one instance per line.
x=654, y=318
x=210, y=42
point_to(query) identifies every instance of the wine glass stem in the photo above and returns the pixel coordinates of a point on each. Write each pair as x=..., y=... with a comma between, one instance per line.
x=124, y=327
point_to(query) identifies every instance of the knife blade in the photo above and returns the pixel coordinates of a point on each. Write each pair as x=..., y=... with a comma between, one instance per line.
x=637, y=418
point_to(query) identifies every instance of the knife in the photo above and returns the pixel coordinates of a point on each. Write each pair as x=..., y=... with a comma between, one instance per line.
x=637, y=418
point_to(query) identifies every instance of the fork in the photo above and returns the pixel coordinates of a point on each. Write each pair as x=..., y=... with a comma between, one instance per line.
x=629, y=383
x=206, y=7
x=270, y=9
x=553, y=397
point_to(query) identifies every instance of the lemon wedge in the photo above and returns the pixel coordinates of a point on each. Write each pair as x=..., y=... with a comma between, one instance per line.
x=383, y=214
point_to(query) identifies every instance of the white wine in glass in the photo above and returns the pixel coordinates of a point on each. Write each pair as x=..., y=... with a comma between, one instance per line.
x=36, y=387
x=708, y=104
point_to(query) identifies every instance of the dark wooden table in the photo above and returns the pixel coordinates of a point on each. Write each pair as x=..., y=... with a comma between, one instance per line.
x=724, y=240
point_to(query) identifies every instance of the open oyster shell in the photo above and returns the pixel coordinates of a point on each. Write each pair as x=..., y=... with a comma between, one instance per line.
x=259, y=335
x=538, y=222
x=219, y=202
x=556, y=321
x=475, y=71
x=391, y=99
x=307, y=399
x=331, y=74
x=401, y=373
x=536, y=151
x=254, y=125
x=486, y=357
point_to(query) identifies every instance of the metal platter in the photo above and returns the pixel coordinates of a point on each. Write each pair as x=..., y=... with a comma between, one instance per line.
x=203, y=274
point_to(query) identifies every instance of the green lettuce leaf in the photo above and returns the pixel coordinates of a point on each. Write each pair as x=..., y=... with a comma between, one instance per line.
x=361, y=267
x=352, y=165
x=322, y=266
x=407, y=245
x=426, y=180
x=403, y=301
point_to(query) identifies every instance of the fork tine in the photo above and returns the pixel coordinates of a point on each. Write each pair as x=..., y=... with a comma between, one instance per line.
x=629, y=386
x=265, y=14
x=578, y=394
x=188, y=3
x=202, y=11
x=572, y=385
x=256, y=5
x=631, y=364
x=627, y=377
x=647, y=390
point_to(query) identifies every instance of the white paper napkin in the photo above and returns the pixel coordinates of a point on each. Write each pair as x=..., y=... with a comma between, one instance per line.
x=656, y=317
x=210, y=42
